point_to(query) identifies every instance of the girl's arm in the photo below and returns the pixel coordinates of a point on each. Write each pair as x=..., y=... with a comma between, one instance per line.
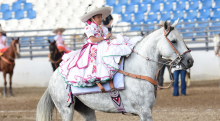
x=94, y=39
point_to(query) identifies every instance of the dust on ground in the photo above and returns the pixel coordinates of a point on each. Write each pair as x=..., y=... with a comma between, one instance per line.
x=200, y=104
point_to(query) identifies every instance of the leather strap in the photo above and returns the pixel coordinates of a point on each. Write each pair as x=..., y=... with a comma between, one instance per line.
x=7, y=61
x=111, y=85
x=55, y=62
x=101, y=87
x=154, y=82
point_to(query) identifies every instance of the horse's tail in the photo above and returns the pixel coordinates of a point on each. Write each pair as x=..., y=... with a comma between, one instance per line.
x=45, y=108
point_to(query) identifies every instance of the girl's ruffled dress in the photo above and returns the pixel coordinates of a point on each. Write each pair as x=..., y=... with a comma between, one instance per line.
x=95, y=62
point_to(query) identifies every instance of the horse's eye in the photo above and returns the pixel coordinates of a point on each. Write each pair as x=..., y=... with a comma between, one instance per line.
x=173, y=41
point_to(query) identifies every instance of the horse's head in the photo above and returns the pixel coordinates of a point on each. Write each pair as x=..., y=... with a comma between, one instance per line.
x=53, y=49
x=16, y=47
x=216, y=41
x=172, y=46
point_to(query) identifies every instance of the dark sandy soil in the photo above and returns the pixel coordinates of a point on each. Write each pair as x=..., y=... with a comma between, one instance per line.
x=202, y=103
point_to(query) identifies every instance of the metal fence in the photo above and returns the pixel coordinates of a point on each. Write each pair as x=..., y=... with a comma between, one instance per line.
x=38, y=46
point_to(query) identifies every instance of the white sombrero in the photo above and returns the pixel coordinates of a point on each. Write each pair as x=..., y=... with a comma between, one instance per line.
x=58, y=29
x=93, y=10
x=160, y=23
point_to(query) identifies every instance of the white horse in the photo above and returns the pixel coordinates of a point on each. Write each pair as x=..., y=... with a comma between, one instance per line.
x=216, y=41
x=138, y=96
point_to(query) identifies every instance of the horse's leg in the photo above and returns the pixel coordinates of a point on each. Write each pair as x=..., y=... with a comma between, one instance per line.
x=10, y=88
x=53, y=66
x=5, y=85
x=87, y=113
x=57, y=90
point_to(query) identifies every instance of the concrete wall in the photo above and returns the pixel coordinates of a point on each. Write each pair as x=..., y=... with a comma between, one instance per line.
x=37, y=72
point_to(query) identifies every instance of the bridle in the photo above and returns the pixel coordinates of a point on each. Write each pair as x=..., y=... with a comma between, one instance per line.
x=177, y=60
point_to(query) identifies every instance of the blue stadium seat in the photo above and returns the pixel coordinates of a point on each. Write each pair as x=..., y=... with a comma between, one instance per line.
x=122, y=2
x=216, y=12
x=215, y=28
x=172, y=0
x=146, y=1
x=19, y=15
x=28, y=6
x=215, y=19
x=31, y=14
x=158, y=1
x=191, y=14
x=204, y=13
x=168, y=6
x=21, y=1
x=117, y=9
x=24, y=39
x=7, y=15
x=151, y=17
x=39, y=40
x=194, y=4
x=187, y=34
x=178, y=14
x=206, y=4
x=135, y=2
x=180, y=5
x=200, y=33
x=202, y=20
x=217, y=3
x=150, y=26
x=16, y=6
x=135, y=28
x=138, y=17
x=189, y=20
x=142, y=8
x=110, y=2
x=125, y=17
x=51, y=38
x=155, y=7
x=129, y=9
x=4, y=7
x=165, y=15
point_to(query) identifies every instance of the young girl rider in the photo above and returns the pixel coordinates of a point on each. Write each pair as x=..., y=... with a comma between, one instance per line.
x=59, y=38
x=3, y=39
x=98, y=59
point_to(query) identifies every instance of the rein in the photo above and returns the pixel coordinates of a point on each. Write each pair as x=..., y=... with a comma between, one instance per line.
x=57, y=61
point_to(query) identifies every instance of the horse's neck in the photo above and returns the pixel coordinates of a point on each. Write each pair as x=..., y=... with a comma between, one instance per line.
x=148, y=48
x=9, y=53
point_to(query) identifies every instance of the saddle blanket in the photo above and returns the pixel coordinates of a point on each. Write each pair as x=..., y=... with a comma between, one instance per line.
x=118, y=81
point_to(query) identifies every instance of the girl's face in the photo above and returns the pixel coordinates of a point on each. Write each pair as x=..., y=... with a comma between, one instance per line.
x=98, y=19
x=59, y=32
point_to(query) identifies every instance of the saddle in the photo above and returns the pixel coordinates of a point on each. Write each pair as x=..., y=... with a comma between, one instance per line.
x=110, y=81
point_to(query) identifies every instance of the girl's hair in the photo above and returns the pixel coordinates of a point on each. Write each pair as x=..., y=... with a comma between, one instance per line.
x=84, y=35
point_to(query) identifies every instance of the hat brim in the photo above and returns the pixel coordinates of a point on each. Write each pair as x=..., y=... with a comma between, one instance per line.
x=58, y=29
x=159, y=24
x=105, y=11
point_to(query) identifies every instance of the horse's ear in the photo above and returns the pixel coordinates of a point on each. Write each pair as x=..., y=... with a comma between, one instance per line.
x=165, y=24
x=18, y=39
x=48, y=41
x=12, y=38
x=175, y=23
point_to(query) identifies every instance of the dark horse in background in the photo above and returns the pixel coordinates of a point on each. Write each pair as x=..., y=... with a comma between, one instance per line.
x=7, y=63
x=55, y=55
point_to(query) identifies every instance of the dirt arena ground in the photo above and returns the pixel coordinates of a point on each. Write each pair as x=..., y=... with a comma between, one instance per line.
x=202, y=103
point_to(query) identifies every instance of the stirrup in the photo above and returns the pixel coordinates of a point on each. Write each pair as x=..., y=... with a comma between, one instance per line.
x=101, y=87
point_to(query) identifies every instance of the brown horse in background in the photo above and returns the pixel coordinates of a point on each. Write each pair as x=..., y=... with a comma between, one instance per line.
x=7, y=63
x=55, y=55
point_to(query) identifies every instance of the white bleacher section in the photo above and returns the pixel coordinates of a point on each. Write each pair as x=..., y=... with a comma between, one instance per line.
x=50, y=14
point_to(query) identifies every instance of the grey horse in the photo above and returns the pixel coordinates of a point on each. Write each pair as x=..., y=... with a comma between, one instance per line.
x=138, y=96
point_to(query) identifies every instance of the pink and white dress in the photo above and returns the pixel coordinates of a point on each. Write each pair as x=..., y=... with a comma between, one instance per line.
x=95, y=62
x=3, y=47
x=60, y=43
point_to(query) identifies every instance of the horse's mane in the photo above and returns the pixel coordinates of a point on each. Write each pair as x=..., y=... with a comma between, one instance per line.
x=147, y=36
